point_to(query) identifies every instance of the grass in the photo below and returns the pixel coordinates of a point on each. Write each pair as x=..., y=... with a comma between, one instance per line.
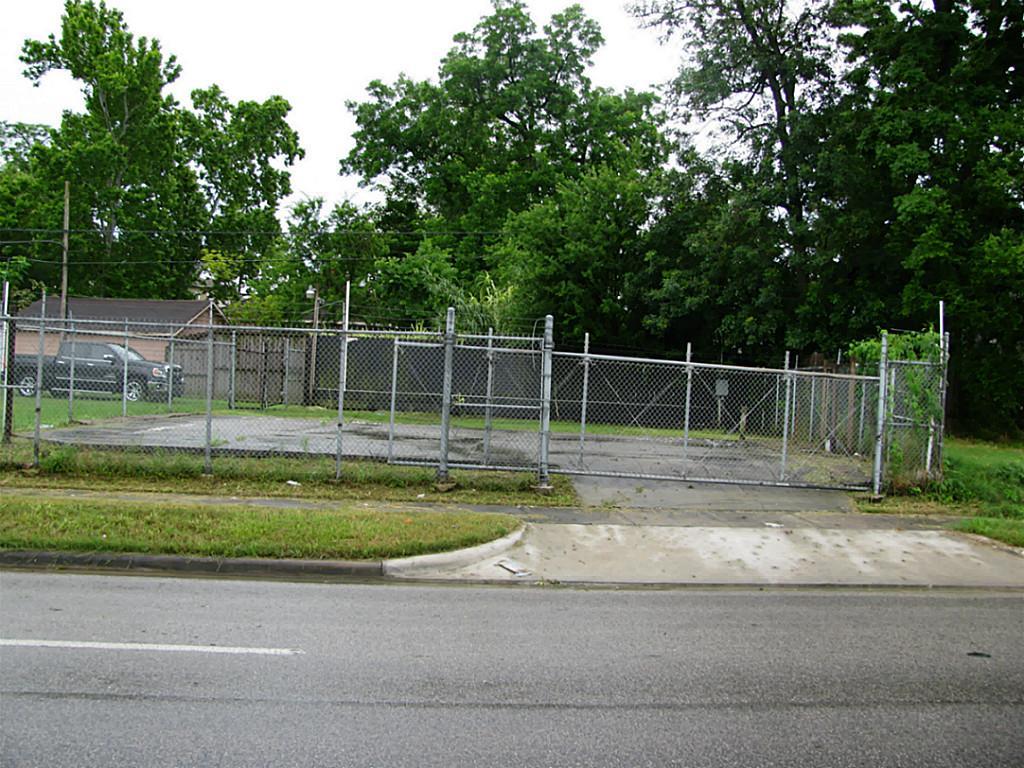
x=203, y=530
x=999, y=528
x=93, y=407
x=306, y=478
x=982, y=482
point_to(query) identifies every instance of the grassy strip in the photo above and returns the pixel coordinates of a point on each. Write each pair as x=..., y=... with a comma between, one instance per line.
x=1009, y=531
x=231, y=531
x=306, y=478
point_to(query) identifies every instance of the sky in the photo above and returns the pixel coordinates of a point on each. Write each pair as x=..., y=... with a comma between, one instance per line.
x=316, y=53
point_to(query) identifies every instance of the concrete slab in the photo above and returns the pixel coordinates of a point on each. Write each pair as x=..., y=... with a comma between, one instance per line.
x=759, y=556
x=666, y=494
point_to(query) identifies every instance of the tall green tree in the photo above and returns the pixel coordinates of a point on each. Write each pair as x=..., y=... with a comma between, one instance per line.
x=511, y=116
x=234, y=149
x=935, y=113
x=572, y=254
x=755, y=68
x=320, y=250
x=149, y=179
x=121, y=155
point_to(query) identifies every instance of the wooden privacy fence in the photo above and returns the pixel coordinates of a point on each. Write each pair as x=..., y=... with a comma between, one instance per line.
x=250, y=369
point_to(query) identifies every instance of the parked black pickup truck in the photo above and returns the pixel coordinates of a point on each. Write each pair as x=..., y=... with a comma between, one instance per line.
x=98, y=367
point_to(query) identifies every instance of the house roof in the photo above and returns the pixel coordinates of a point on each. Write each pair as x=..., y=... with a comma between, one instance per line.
x=141, y=310
x=141, y=314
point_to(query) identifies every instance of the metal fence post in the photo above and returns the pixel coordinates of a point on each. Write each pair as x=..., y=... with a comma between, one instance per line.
x=287, y=367
x=586, y=394
x=394, y=401
x=810, y=413
x=231, y=372
x=8, y=392
x=124, y=374
x=263, y=372
x=776, y=422
x=446, y=394
x=208, y=446
x=342, y=383
x=5, y=363
x=785, y=419
x=170, y=376
x=943, y=385
x=863, y=408
x=487, y=400
x=39, y=382
x=686, y=412
x=71, y=374
x=883, y=379
x=543, y=473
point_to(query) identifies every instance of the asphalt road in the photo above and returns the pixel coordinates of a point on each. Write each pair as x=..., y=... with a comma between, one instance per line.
x=397, y=675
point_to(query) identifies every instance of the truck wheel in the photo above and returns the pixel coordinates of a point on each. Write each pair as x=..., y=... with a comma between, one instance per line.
x=135, y=390
x=26, y=385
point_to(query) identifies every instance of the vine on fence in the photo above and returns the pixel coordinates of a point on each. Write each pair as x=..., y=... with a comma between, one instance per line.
x=918, y=396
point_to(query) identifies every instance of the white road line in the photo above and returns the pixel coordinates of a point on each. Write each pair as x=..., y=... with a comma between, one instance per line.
x=163, y=647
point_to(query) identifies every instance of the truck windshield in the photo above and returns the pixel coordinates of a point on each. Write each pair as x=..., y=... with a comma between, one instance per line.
x=130, y=353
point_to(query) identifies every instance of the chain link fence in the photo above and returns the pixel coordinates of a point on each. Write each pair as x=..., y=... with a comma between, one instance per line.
x=439, y=398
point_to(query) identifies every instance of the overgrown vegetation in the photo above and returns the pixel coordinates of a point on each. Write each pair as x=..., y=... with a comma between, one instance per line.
x=306, y=478
x=239, y=531
x=984, y=482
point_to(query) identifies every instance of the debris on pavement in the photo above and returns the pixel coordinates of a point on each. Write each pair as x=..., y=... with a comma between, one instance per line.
x=516, y=569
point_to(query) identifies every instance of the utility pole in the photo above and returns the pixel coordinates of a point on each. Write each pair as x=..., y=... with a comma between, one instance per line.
x=64, y=260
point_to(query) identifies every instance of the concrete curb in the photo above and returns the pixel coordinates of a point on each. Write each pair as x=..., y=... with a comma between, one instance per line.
x=194, y=565
x=403, y=567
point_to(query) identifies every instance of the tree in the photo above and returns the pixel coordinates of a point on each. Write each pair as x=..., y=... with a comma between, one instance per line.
x=319, y=250
x=121, y=156
x=234, y=148
x=512, y=115
x=19, y=201
x=572, y=254
x=713, y=273
x=935, y=103
x=150, y=179
x=756, y=68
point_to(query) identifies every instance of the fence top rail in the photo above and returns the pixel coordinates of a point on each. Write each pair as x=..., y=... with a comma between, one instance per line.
x=428, y=344
x=715, y=366
x=496, y=337
x=501, y=350
x=925, y=363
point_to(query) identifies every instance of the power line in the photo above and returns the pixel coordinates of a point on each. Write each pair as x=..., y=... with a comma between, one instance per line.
x=266, y=233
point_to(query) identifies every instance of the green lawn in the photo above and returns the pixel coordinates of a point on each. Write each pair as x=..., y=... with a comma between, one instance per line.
x=53, y=411
x=986, y=473
x=90, y=408
x=305, y=478
x=233, y=531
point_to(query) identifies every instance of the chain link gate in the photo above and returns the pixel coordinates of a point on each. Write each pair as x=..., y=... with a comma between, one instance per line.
x=658, y=419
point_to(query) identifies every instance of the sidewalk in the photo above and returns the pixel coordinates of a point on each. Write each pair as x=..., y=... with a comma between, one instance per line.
x=705, y=534
x=672, y=534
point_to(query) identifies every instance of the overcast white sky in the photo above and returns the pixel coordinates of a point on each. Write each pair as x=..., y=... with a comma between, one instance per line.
x=315, y=53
